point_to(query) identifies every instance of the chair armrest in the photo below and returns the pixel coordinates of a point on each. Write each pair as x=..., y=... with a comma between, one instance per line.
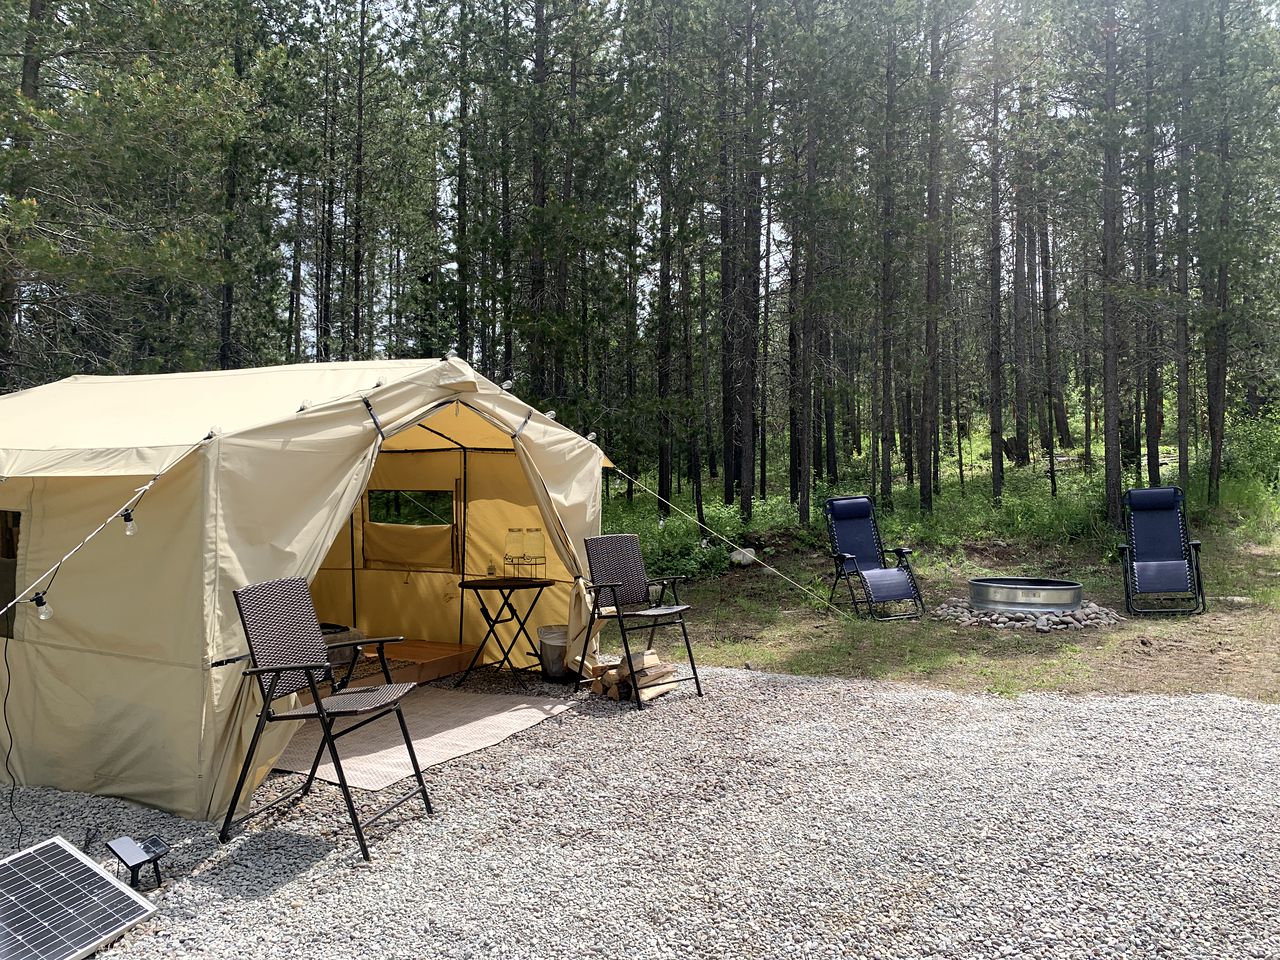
x=665, y=580
x=902, y=552
x=835, y=555
x=595, y=589
x=1124, y=549
x=306, y=667
x=1195, y=545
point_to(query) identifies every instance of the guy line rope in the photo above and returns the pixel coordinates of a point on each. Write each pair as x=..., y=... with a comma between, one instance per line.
x=755, y=558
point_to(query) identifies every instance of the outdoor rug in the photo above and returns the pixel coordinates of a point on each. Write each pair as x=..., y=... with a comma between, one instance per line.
x=444, y=724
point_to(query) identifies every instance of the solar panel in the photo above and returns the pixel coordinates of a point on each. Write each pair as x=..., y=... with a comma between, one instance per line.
x=57, y=904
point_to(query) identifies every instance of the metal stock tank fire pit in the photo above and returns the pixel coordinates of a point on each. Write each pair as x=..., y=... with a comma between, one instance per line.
x=1026, y=603
x=1025, y=594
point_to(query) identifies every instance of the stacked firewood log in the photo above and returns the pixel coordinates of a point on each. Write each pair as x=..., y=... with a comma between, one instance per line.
x=645, y=671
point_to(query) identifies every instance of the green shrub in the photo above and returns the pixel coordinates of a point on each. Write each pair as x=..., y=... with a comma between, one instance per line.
x=1252, y=448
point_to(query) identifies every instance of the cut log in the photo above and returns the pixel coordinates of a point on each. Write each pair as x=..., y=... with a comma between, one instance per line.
x=656, y=690
x=638, y=661
x=651, y=675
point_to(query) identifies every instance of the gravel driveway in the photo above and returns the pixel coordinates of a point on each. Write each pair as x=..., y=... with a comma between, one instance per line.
x=777, y=817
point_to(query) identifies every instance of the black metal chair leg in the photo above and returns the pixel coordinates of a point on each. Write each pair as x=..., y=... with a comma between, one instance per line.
x=225, y=833
x=626, y=653
x=689, y=649
x=327, y=724
x=315, y=765
x=413, y=759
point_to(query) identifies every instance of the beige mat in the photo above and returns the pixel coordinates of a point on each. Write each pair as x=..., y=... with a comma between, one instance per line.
x=444, y=724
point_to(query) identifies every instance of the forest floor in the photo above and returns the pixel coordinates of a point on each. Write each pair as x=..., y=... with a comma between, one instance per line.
x=751, y=617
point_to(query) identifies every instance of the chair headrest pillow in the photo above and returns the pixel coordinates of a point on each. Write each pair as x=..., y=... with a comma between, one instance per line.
x=1154, y=498
x=849, y=508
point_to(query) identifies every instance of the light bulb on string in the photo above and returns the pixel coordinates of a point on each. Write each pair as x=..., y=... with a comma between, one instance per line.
x=591, y=437
x=44, y=610
x=550, y=414
x=508, y=384
x=130, y=525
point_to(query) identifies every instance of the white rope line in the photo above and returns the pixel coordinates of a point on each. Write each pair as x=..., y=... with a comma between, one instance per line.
x=138, y=494
x=756, y=559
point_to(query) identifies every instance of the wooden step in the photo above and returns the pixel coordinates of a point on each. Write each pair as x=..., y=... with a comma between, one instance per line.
x=431, y=659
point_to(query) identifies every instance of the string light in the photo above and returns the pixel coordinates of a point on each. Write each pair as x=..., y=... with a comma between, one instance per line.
x=550, y=414
x=130, y=525
x=591, y=437
x=43, y=607
x=508, y=384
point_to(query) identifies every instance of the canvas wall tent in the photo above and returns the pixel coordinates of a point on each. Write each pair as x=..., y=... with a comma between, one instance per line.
x=281, y=471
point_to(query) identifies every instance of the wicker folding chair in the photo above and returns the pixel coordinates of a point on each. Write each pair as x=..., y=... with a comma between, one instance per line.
x=289, y=655
x=1161, y=565
x=620, y=591
x=858, y=555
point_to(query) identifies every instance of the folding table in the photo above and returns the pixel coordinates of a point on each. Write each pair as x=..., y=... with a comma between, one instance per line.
x=506, y=588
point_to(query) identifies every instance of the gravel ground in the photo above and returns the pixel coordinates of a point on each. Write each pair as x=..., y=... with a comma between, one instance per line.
x=777, y=817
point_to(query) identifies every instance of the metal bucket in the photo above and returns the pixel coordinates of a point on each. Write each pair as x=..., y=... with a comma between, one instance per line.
x=1025, y=594
x=553, y=642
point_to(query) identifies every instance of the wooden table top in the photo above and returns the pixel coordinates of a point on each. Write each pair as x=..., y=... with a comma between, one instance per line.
x=505, y=583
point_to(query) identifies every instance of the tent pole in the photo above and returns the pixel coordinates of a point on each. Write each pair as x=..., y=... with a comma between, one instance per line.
x=352, y=525
x=462, y=546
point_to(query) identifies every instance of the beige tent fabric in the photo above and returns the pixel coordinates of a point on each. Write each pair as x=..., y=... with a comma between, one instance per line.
x=126, y=691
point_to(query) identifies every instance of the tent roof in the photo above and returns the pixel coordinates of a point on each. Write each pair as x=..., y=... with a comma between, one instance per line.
x=178, y=409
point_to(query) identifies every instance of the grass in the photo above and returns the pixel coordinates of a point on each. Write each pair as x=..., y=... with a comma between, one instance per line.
x=751, y=617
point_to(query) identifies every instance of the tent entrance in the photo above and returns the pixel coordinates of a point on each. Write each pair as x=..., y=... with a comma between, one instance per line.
x=446, y=498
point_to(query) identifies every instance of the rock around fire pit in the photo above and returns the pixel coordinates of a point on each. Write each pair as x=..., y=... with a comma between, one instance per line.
x=1089, y=615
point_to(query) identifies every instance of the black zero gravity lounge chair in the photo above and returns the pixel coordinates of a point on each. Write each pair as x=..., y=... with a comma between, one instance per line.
x=289, y=655
x=1161, y=566
x=619, y=591
x=858, y=555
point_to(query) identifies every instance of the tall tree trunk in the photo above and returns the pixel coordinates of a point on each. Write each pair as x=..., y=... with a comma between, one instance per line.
x=995, y=364
x=462, y=192
x=230, y=201
x=538, y=201
x=324, y=258
x=1086, y=374
x=794, y=350
x=20, y=146
x=1021, y=328
x=1154, y=394
x=730, y=427
x=1216, y=337
x=1183, y=309
x=1049, y=295
x=887, y=287
x=1111, y=264
x=933, y=265
x=749, y=337
x=561, y=285
x=708, y=420
x=295, y=276
x=357, y=213
x=766, y=333
x=665, y=161
x=808, y=324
